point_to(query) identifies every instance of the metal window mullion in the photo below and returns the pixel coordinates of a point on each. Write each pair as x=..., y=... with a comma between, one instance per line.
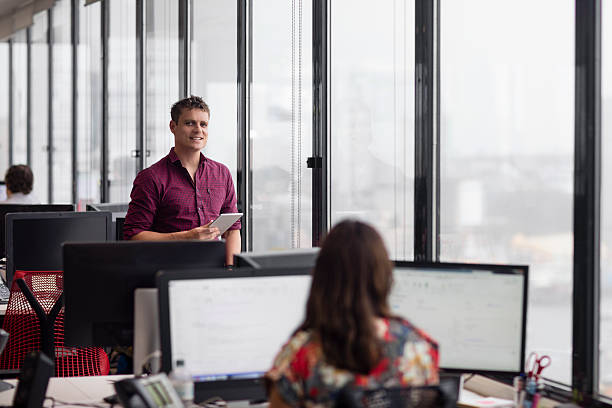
x=104, y=15
x=50, y=43
x=74, y=17
x=244, y=170
x=11, y=122
x=29, y=96
x=319, y=162
x=184, y=48
x=424, y=159
x=140, y=83
x=587, y=184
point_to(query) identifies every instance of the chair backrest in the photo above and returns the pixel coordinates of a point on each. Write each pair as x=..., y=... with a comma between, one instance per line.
x=30, y=329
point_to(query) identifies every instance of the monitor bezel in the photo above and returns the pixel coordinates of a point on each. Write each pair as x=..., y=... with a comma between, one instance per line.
x=15, y=208
x=507, y=269
x=12, y=217
x=232, y=386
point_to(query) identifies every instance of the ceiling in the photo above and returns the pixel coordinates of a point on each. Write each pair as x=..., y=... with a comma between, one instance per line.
x=17, y=14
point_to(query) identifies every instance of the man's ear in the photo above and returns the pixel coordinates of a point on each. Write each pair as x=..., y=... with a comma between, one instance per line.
x=172, y=125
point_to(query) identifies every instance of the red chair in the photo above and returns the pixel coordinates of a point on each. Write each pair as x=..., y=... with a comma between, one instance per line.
x=34, y=320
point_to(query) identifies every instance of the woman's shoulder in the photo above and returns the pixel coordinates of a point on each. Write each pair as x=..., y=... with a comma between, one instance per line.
x=295, y=353
x=402, y=330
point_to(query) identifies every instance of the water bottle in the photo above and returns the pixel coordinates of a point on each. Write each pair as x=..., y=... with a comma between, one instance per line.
x=182, y=381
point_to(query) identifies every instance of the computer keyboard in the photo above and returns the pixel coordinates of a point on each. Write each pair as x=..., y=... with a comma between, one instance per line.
x=4, y=293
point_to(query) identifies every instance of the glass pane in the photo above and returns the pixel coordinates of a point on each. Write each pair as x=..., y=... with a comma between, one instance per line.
x=4, y=107
x=89, y=105
x=162, y=75
x=506, y=148
x=372, y=126
x=62, y=97
x=213, y=75
x=20, y=98
x=605, y=331
x=39, y=104
x=122, y=129
x=281, y=124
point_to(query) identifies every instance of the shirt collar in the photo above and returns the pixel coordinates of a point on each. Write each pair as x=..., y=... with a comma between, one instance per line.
x=174, y=159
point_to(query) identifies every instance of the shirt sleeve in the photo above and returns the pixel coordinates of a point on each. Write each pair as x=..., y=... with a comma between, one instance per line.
x=287, y=373
x=143, y=205
x=229, y=205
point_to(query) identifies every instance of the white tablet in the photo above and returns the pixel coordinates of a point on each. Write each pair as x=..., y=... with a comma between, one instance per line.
x=224, y=221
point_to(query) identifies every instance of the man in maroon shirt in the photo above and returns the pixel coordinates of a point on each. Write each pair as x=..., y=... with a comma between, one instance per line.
x=180, y=195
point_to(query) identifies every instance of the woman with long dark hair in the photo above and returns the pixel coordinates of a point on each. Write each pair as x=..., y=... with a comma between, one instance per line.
x=349, y=335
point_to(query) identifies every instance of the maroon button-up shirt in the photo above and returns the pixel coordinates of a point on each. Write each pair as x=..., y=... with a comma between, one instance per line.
x=165, y=199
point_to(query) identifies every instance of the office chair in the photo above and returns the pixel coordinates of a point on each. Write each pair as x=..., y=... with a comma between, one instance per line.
x=35, y=321
x=444, y=395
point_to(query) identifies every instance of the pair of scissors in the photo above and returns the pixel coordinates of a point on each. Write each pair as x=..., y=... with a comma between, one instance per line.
x=535, y=364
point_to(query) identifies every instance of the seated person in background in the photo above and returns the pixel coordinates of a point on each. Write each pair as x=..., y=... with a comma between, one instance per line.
x=180, y=195
x=349, y=336
x=19, y=180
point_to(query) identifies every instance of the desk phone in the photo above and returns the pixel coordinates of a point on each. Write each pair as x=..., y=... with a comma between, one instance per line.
x=147, y=392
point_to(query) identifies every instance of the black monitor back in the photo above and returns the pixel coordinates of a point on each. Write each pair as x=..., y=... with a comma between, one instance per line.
x=34, y=240
x=112, y=207
x=18, y=208
x=100, y=279
x=292, y=258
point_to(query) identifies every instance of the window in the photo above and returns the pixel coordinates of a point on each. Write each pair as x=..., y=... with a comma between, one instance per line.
x=281, y=124
x=4, y=107
x=506, y=153
x=372, y=123
x=20, y=97
x=89, y=105
x=39, y=105
x=122, y=120
x=213, y=75
x=62, y=97
x=162, y=78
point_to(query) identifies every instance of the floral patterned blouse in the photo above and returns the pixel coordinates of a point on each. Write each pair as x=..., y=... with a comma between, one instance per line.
x=302, y=377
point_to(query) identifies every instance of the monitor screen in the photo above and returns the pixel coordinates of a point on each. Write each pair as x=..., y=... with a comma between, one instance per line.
x=19, y=208
x=34, y=240
x=100, y=279
x=476, y=313
x=205, y=321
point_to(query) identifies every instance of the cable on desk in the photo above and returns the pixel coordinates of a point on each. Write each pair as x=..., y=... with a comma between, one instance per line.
x=58, y=403
x=469, y=378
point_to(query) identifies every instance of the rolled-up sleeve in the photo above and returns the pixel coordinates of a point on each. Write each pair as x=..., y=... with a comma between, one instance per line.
x=144, y=202
x=229, y=205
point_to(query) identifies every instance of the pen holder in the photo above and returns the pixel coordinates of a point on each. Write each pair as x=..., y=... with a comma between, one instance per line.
x=529, y=397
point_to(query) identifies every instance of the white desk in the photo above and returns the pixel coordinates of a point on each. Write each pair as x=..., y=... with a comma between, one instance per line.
x=73, y=389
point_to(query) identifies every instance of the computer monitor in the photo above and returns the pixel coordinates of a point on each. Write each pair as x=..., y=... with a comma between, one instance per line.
x=119, y=221
x=476, y=313
x=227, y=326
x=19, y=208
x=112, y=207
x=34, y=240
x=292, y=258
x=100, y=279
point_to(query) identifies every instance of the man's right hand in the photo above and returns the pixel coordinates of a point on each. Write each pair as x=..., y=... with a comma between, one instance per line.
x=204, y=233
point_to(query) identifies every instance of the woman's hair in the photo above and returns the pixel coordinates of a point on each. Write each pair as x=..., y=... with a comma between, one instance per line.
x=350, y=285
x=19, y=179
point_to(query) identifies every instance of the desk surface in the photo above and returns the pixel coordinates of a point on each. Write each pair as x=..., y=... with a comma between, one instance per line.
x=79, y=390
x=72, y=389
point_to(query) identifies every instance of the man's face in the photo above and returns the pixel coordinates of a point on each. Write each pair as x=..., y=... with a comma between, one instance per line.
x=191, y=131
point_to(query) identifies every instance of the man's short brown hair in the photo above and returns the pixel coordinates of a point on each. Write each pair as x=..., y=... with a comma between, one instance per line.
x=19, y=179
x=193, y=102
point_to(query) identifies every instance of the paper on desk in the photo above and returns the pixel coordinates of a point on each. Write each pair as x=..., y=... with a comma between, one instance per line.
x=489, y=402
